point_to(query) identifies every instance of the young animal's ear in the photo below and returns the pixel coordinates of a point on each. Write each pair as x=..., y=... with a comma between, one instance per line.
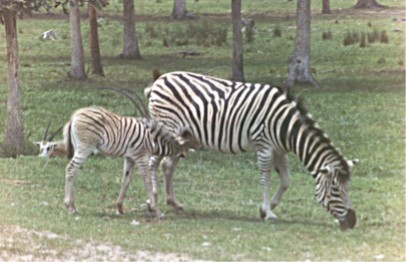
x=184, y=137
x=352, y=163
x=326, y=170
x=37, y=143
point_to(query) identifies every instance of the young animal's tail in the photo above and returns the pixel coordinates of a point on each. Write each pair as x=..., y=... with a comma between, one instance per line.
x=68, y=140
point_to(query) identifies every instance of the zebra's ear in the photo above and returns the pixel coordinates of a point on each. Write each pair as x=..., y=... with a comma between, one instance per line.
x=352, y=163
x=326, y=170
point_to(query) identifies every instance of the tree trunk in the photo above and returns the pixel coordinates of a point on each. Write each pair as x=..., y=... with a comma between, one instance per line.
x=299, y=62
x=237, y=67
x=179, y=9
x=97, y=67
x=14, y=140
x=368, y=4
x=130, y=49
x=326, y=7
x=77, y=63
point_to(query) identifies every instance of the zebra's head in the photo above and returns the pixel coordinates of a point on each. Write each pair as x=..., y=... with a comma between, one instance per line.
x=46, y=146
x=332, y=192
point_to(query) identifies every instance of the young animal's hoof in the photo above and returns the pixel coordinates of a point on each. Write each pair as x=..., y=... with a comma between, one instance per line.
x=174, y=204
x=71, y=209
x=268, y=215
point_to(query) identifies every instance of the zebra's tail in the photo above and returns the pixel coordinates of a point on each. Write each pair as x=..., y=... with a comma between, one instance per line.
x=68, y=140
x=155, y=75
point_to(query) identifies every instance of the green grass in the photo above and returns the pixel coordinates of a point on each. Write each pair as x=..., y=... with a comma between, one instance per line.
x=360, y=106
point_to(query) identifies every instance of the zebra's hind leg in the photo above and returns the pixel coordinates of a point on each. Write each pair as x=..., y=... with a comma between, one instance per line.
x=281, y=166
x=265, y=167
x=127, y=177
x=71, y=169
x=169, y=166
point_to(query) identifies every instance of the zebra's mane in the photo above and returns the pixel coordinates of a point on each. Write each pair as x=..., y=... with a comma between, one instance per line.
x=313, y=128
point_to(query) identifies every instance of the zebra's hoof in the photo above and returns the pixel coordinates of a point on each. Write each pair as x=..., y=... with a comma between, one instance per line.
x=120, y=210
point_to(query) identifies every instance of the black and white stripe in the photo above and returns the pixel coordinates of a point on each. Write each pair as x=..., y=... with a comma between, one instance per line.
x=133, y=139
x=234, y=117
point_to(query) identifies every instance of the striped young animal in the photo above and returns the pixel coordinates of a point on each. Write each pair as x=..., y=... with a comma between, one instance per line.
x=132, y=138
x=234, y=117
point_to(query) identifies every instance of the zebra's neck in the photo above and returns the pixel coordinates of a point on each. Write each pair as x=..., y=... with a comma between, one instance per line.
x=313, y=148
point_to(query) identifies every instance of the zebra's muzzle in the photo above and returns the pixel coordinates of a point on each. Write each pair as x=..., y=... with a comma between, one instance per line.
x=349, y=221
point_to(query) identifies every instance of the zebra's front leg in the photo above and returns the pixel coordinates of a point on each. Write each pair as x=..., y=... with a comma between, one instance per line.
x=127, y=177
x=281, y=166
x=265, y=167
x=169, y=166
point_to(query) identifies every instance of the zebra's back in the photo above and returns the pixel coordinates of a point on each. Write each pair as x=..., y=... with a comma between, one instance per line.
x=223, y=115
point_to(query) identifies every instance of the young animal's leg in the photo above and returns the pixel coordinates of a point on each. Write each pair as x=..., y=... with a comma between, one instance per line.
x=281, y=166
x=78, y=158
x=142, y=162
x=127, y=176
x=154, y=162
x=264, y=158
x=169, y=166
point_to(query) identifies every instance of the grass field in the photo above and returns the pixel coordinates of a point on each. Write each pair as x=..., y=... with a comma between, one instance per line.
x=360, y=105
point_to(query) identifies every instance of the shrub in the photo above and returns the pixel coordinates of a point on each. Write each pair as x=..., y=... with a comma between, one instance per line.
x=384, y=37
x=327, y=35
x=277, y=32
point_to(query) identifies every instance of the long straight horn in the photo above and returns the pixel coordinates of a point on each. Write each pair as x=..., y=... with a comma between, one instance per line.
x=46, y=131
x=55, y=133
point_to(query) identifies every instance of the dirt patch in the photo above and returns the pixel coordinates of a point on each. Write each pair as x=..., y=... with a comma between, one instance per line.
x=20, y=244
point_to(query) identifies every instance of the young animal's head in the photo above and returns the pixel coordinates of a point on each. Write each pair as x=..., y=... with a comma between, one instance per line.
x=178, y=143
x=332, y=192
x=46, y=147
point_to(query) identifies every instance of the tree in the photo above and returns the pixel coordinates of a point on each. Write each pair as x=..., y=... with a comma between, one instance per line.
x=299, y=62
x=179, y=9
x=95, y=58
x=130, y=49
x=237, y=67
x=9, y=10
x=368, y=4
x=326, y=7
x=77, y=56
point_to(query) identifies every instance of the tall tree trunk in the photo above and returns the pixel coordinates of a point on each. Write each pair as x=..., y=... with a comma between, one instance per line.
x=179, y=9
x=299, y=62
x=130, y=49
x=237, y=67
x=77, y=63
x=368, y=4
x=14, y=140
x=326, y=7
x=95, y=58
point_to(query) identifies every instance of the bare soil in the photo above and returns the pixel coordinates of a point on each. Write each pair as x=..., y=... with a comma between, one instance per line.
x=20, y=244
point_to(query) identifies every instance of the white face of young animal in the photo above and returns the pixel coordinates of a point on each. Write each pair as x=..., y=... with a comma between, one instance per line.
x=46, y=148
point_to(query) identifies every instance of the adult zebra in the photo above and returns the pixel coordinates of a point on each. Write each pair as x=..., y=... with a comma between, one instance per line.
x=234, y=117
